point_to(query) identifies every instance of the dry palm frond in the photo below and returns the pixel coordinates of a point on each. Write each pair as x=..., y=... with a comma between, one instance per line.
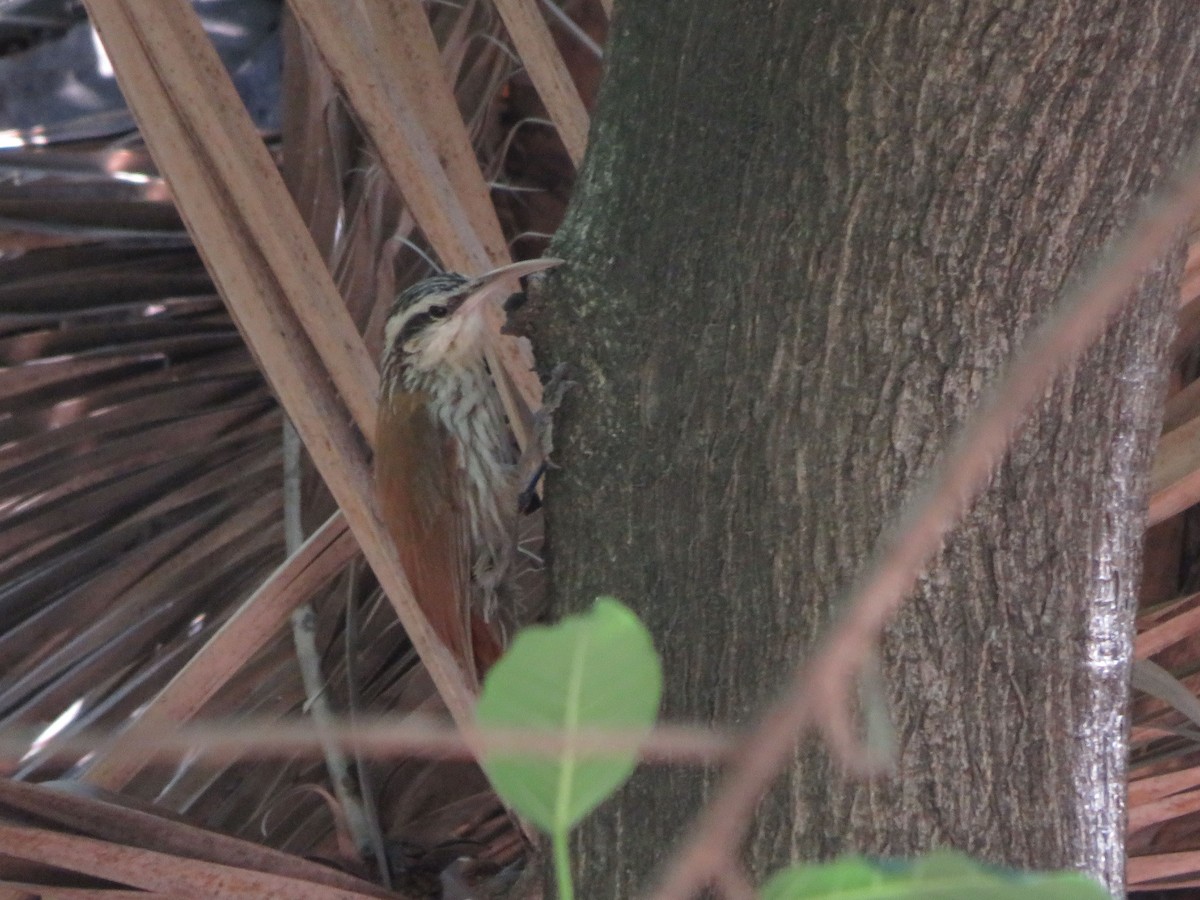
x=536, y=46
x=142, y=501
x=146, y=845
x=138, y=437
x=140, y=476
x=263, y=260
x=1164, y=775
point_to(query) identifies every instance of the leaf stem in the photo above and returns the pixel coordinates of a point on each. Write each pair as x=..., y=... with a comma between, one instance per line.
x=562, y=864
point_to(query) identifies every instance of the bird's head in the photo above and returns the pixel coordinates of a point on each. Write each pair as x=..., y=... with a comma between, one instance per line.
x=439, y=321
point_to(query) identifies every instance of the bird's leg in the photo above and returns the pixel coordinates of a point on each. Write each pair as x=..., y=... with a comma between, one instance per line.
x=553, y=392
x=528, y=500
x=536, y=458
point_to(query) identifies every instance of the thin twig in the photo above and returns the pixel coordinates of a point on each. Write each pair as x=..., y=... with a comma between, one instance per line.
x=384, y=737
x=570, y=26
x=820, y=690
x=734, y=883
x=362, y=770
x=308, y=658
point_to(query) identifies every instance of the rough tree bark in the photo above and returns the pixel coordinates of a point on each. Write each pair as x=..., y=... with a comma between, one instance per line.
x=806, y=236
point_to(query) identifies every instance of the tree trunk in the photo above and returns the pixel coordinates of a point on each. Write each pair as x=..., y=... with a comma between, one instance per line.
x=806, y=237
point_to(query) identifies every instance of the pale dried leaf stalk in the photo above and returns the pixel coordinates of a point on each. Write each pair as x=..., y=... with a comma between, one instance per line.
x=422, y=144
x=392, y=120
x=153, y=871
x=264, y=263
x=549, y=74
x=408, y=59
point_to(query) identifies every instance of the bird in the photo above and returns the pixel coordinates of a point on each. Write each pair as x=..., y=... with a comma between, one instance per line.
x=455, y=489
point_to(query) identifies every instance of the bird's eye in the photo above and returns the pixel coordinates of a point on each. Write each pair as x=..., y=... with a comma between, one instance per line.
x=437, y=312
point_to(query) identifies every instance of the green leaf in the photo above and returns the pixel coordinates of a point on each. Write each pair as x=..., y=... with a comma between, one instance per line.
x=596, y=670
x=845, y=877
x=943, y=875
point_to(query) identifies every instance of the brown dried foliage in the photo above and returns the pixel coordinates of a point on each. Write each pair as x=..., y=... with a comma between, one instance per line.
x=145, y=582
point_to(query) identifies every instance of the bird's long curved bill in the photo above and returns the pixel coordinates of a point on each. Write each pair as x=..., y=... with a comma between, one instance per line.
x=495, y=284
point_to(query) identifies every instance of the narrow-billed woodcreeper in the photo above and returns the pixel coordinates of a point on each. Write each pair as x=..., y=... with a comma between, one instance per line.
x=447, y=466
